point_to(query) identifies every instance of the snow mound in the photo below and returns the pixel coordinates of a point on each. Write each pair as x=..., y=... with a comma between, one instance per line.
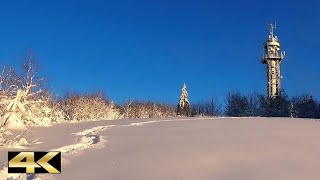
x=12, y=140
x=12, y=121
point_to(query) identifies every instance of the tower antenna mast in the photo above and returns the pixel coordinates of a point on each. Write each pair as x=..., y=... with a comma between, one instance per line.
x=271, y=29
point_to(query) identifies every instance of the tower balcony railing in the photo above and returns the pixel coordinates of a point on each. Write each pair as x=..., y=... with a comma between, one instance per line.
x=273, y=56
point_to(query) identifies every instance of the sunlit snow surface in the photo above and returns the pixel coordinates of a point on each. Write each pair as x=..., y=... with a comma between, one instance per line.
x=181, y=148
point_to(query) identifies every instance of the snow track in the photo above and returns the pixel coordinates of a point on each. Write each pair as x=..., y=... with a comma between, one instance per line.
x=86, y=139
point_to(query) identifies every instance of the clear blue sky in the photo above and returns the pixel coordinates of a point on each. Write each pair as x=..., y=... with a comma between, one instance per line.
x=147, y=49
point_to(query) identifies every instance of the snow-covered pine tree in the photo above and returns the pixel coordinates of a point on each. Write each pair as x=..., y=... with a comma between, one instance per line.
x=184, y=108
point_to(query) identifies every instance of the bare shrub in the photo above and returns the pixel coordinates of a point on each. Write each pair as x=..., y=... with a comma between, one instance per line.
x=148, y=109
x=93, y=106
x=208, y=107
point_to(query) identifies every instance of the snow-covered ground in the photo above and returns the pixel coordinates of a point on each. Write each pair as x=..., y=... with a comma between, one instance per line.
x=181, y=149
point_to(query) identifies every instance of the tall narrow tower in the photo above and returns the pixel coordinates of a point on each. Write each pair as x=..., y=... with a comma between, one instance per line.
x=272, y=58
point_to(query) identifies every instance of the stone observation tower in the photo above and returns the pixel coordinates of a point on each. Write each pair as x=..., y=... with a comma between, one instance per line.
x=272, y=58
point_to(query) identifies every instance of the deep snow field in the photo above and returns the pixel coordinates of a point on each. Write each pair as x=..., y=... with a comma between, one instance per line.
x=180, y=149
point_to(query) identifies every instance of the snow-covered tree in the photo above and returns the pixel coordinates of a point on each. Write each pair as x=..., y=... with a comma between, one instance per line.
x=22, y=100
x=183, y=108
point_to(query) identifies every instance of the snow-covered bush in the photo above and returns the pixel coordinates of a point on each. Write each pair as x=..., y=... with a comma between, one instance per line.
x=8, y=84
x=57, y=112
x=40, y=110
x=149, y=109
x=78, y=107
x=12, y=118
x=22, y=100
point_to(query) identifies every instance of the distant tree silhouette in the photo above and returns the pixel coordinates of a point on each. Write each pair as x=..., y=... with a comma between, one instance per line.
x=237, y=105
x=256, y=104
x=305, y=106
x=278, y=106
x=318, y=111
x=207, y=107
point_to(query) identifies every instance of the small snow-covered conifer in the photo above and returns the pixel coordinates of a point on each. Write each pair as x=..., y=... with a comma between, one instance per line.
x=184, y=108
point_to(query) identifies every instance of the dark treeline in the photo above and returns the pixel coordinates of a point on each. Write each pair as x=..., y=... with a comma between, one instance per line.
x=208, y=107
x=240, y=105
